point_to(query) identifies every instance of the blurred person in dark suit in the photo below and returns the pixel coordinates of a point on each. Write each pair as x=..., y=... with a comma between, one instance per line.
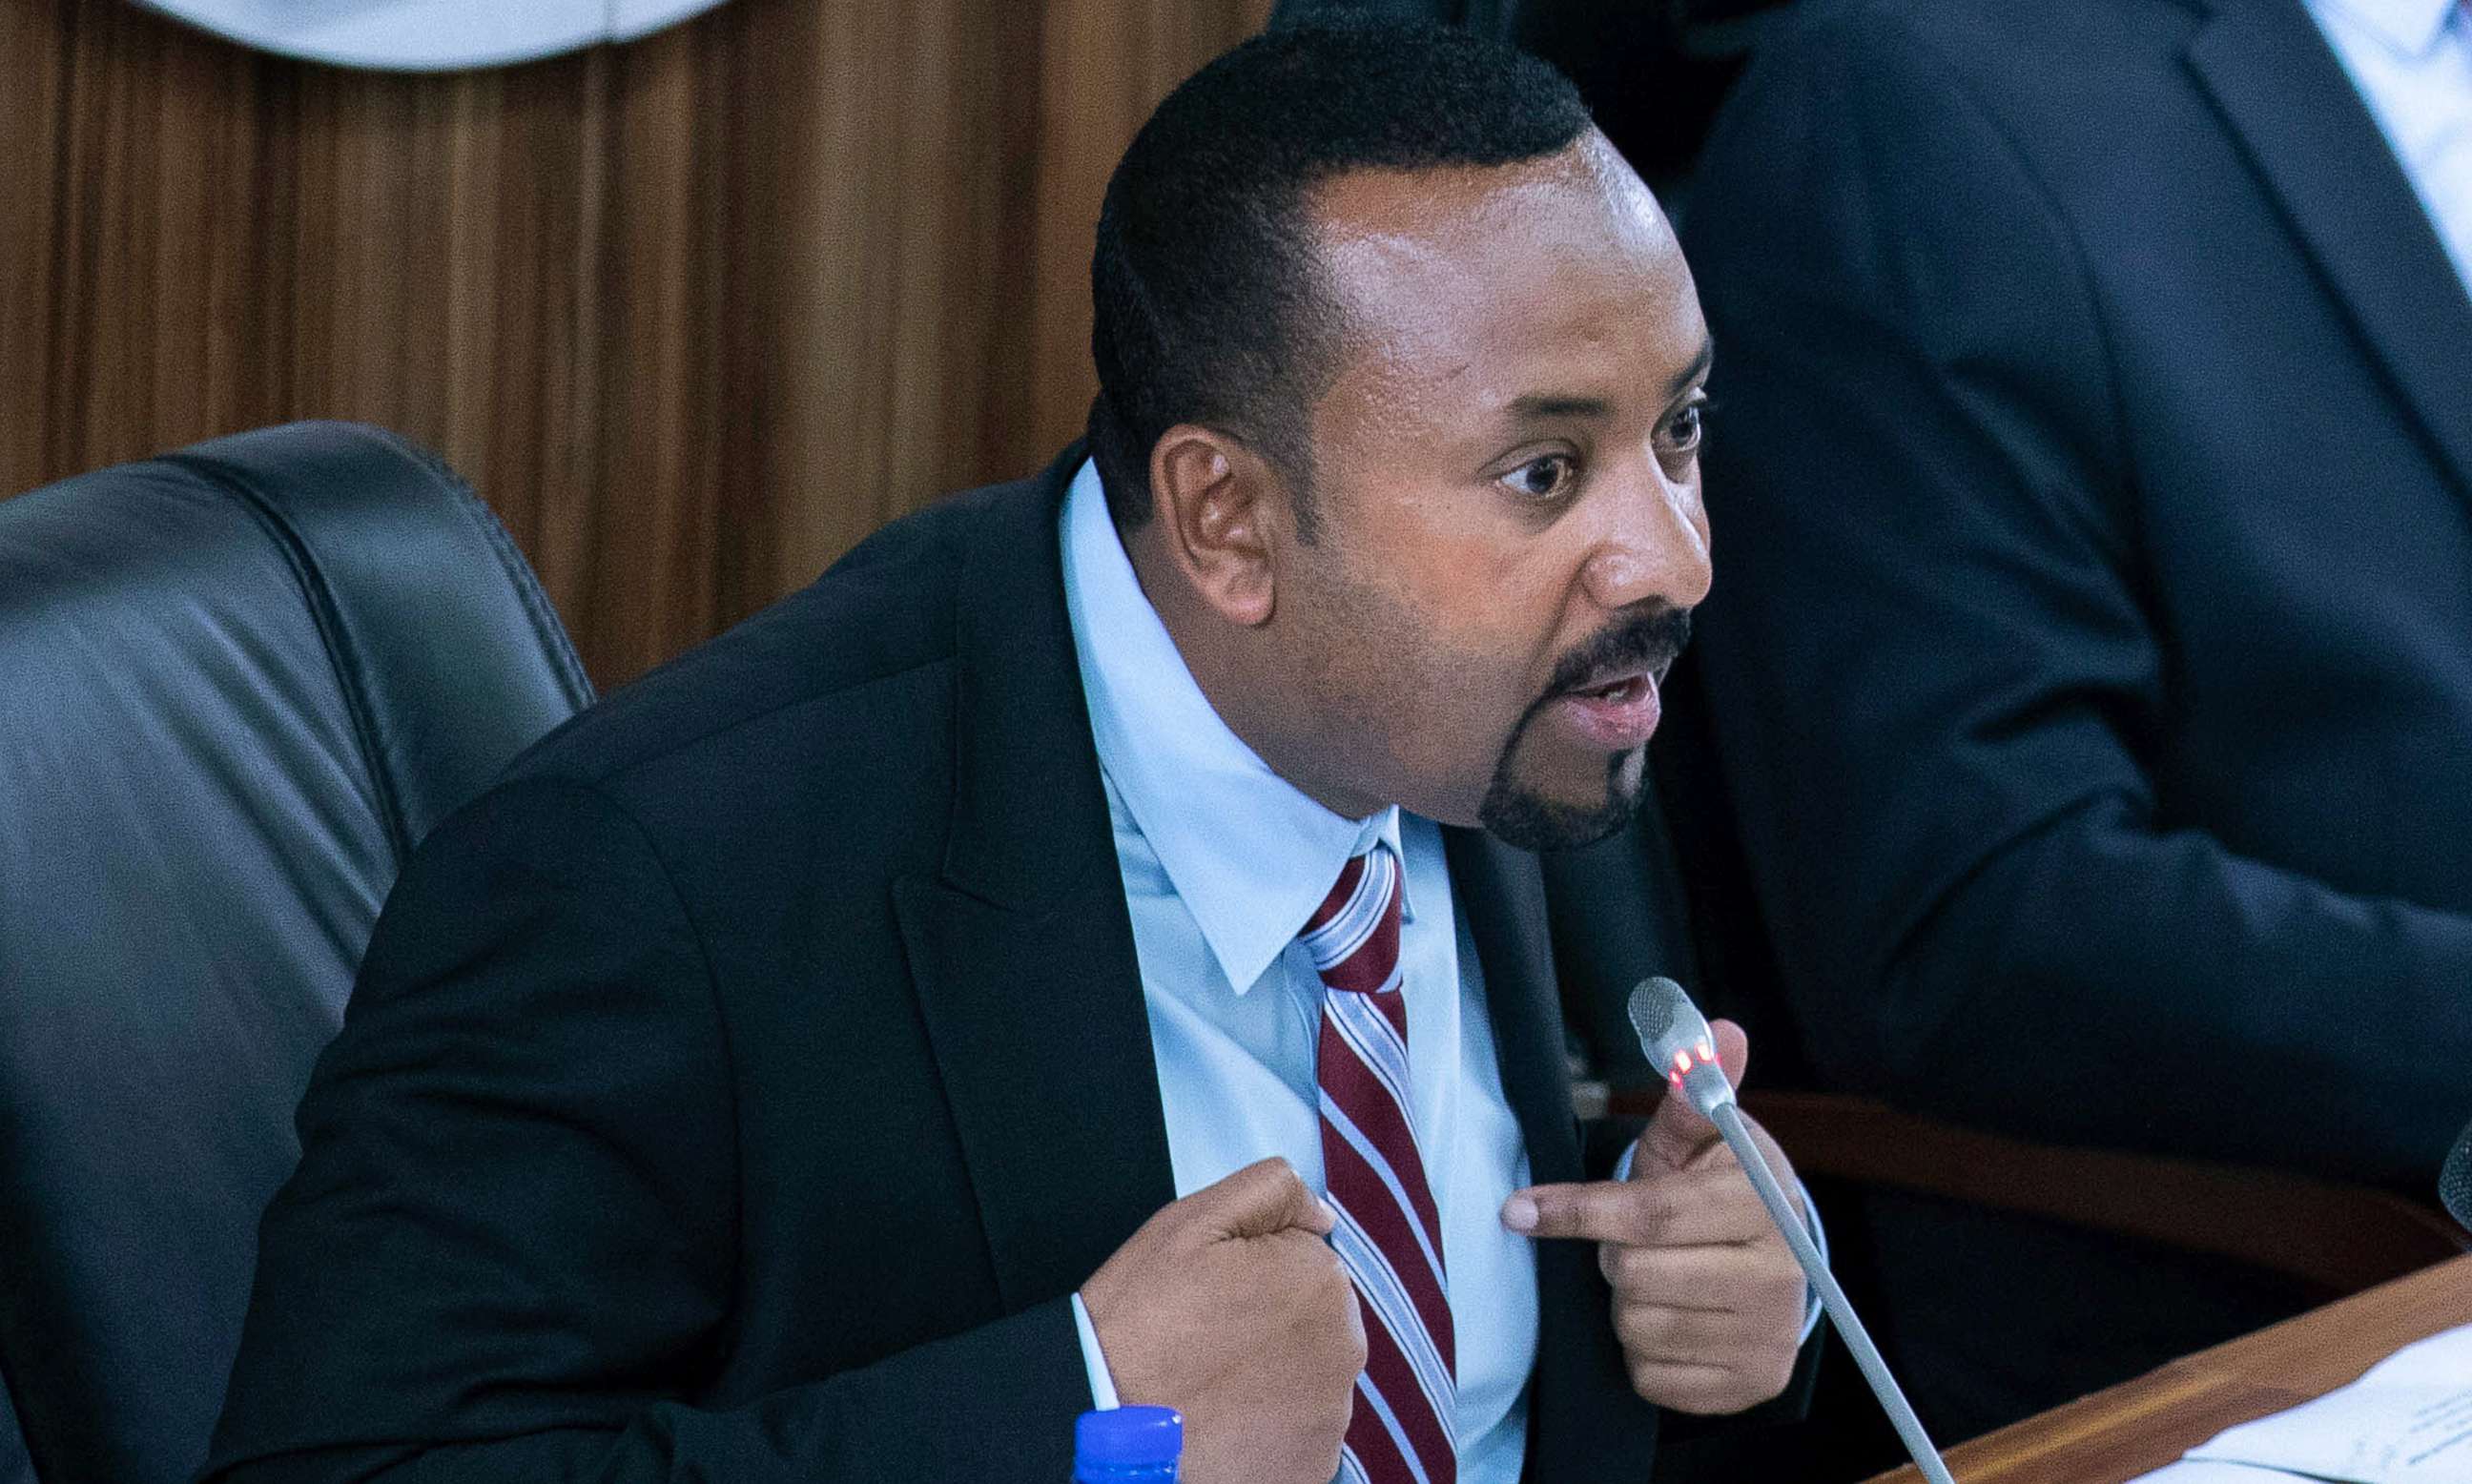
x=1085, y=947
x=2092, y=671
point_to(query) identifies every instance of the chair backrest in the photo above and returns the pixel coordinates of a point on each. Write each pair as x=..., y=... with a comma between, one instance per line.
x=237, y=685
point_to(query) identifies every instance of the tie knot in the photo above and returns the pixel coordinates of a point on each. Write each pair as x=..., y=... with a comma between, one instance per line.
x=1354, y=935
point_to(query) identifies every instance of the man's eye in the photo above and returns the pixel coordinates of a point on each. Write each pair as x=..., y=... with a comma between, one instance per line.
x=1689, y=425
x=1544, y=477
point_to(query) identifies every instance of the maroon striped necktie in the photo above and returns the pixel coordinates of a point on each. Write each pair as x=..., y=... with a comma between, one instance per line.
x=1389, y=1235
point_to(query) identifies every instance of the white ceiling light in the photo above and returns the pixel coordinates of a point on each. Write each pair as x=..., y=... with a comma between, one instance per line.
x=428, y=36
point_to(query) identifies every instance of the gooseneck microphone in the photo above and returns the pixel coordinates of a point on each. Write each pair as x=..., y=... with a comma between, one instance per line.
x=1675, y=1037
x=2454, y=1182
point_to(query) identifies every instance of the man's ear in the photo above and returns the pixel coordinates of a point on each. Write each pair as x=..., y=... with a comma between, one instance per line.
x=1223, y=515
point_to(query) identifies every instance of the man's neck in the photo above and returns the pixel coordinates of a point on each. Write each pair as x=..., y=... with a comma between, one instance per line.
x=1224, y=663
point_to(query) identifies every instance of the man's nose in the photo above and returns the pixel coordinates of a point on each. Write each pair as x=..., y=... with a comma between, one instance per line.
x=1653, y=544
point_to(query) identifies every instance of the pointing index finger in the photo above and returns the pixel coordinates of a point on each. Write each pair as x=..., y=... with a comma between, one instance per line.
x=1604, y=1211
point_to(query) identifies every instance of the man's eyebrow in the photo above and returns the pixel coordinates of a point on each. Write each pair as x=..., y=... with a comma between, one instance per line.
x=1545, y=405
x=1692, y=372
x=1536, y=405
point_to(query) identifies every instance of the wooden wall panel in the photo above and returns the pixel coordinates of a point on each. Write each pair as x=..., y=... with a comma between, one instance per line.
x=29, y=237
x=695, y=314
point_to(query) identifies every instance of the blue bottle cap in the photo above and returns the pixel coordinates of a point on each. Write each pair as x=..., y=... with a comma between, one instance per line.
x=1130, y=1437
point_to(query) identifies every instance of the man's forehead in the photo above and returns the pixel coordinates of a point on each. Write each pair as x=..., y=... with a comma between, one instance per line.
x=1436, y=266
x=1585, y=188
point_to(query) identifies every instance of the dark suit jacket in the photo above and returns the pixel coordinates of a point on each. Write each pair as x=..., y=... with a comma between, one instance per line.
x=740, y=1088
x=2091, y=653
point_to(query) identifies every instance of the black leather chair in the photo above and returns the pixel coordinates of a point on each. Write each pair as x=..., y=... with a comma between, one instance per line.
x=237, y=685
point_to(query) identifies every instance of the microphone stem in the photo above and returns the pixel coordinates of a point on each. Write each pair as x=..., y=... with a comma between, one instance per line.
x=1729, y=1119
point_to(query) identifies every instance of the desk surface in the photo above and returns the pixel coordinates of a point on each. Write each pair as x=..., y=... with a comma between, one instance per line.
x=2140, y=1426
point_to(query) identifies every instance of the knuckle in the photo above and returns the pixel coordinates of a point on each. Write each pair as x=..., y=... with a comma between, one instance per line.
x=1334, y=1419
x=1338, y=1337
x=1783, y=1327
x=1793, y=1302
x=1698, y=1398
x=1303, y=1258
x=1787, y=1283
x=1270, y=1181
x=1640, y=1268
x=1637, y=1329
x=1337, y=1290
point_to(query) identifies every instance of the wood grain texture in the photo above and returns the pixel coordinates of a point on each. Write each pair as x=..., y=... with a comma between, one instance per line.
x=695, y=314
x=2140, y=1426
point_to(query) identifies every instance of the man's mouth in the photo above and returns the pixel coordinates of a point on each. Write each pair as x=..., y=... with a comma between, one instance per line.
x=1606, y=695
x=1621, y=690
x=1616, y=712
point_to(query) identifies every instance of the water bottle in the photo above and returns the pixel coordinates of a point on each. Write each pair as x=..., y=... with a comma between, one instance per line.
x=1129, y=1444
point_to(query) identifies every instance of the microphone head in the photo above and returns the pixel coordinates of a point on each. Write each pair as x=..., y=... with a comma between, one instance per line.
x=1673, y=1035
x=2454, y=1182
x=1654, y=1006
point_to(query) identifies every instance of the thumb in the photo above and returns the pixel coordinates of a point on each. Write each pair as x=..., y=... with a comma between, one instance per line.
x=1678, y=1133
x=1261, y=1200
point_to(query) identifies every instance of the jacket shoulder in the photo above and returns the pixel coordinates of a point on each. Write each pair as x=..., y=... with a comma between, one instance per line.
x=885, y=611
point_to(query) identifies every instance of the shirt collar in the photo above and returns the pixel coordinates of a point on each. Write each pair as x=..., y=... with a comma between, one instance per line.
x=2410, y=28
x=1250, y=855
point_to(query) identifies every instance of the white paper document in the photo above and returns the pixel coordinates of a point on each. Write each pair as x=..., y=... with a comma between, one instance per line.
x=2408, y=1421
x=2191, y=1472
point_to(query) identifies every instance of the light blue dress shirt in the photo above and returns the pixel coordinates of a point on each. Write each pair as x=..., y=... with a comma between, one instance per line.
x=1224, y=861
x=2412, y=59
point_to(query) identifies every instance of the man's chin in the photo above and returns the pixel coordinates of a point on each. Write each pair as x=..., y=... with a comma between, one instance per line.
x=1531, y=820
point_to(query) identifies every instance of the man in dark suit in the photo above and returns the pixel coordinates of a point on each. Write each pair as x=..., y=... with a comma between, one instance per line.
x=1078, y=949
x=2092, y=675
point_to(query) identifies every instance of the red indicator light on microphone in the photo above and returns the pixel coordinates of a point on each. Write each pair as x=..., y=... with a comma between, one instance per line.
x=1681, y=1062
x=1707, y=1053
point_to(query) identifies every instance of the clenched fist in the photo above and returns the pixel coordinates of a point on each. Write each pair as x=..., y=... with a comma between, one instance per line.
x=1229, y=1307
x=1708, y=1299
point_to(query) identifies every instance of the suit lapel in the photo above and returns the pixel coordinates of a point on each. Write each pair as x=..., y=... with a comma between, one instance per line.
x=1583, y=1421
x=1021, y=948
x=1503, y=896
x=2294, y=109
x=1043, y=1045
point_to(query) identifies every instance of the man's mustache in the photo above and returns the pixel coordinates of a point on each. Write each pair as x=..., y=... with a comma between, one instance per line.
x=1642, y=642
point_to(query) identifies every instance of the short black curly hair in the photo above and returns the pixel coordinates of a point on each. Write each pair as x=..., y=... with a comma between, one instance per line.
x=1209, y=307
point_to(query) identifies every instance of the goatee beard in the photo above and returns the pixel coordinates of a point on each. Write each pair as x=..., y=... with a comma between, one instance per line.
x=1523, y=818
x=1520, y=816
